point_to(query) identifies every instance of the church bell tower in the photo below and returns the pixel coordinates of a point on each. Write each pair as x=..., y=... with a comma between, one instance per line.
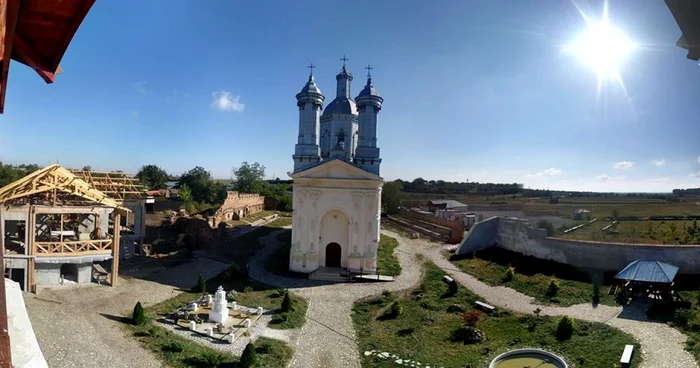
x=369, y=103
x=310, y=101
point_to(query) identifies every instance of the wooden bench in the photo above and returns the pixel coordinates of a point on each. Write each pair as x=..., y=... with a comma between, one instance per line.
x=448, y=280
x=627, y=355
x=99, y=273
x=485, y=307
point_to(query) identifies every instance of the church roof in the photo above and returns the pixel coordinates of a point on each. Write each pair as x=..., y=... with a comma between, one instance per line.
x=344, y=73
x=329, y=161
x=341, y=106
x=369, y=89
x=310, y=87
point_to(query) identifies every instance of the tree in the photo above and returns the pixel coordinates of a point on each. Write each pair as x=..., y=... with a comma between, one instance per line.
x=201, y=284
x=152, y=176
x=286, y=303
x=391, y=196
x=248, y=357
x=249, y=178
x=87, y=168
x=185, y=193
x=544, y=224
x=201, y=184
x=11, y=173
x=138, y=317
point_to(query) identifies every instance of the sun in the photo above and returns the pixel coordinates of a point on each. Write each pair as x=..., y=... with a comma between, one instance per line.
x=602, y=47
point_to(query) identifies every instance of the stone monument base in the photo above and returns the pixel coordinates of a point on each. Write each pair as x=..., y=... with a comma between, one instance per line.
x=219, y=317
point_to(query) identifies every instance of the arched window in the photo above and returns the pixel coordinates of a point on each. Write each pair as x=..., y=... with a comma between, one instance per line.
x=341, y=136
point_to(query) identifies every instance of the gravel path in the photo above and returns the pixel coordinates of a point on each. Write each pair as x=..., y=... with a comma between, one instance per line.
x=662, y=346
x=328, y=337
x=80, y=326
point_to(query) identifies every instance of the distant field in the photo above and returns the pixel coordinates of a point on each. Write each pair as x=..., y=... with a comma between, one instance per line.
x=662, y=232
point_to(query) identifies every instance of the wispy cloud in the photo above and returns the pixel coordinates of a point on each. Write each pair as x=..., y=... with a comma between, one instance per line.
x=658, y=163
x=548, y=172
x=134, y=114
x=142, y=87
x=602, y=177
x=605, y=177
x=660, y=179
x=623, y=165
x=224, y=101
x=176, y=95
x=694, y=175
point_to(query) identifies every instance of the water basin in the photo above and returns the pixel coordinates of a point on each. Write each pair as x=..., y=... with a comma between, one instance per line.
x=528, y=358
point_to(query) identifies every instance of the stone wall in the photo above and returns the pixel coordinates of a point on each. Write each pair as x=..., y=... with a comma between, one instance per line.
x=238, y=206
x=519, y=236
x=456, y=227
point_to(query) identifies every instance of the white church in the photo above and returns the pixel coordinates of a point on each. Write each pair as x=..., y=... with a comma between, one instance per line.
x=337, y=187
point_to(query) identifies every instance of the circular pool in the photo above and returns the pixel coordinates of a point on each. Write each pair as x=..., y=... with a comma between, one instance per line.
x=530, y=358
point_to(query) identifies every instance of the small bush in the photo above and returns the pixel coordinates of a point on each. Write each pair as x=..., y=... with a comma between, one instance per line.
x=429, y=305
x=211, y=359
x=537, y=311
x=248, y=289
x=281, y=292
x=264, y=348
x=456, y=308
x=467, y=335
x=231, y=295
x=201, y=284
x=396, y=309
x=386, y=294
x=544, y=224
x=509, y=275
x=553, y=287
x=248, y=357
x=286, y=303
x=565, y=328
x=138, y=317
x=471, y=318
x=175, y=347
x=453, y=288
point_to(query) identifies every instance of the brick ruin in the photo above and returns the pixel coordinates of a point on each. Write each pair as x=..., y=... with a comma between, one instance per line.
x=238, y=206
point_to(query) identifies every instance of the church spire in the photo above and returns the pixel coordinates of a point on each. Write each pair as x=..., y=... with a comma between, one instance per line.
x=310, y=102
x=344, y=79
x=369, y=103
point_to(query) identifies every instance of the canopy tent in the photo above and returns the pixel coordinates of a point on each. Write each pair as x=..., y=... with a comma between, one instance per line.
x=648, y=271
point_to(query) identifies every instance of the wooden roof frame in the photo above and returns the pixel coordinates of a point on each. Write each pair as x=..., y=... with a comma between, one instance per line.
x=118, y=185
x=54, y=178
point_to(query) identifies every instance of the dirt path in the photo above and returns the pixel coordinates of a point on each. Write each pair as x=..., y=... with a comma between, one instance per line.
x=662, y=346
x=80, y=326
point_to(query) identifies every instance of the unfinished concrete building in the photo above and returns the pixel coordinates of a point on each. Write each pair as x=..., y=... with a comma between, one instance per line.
x=55, y=226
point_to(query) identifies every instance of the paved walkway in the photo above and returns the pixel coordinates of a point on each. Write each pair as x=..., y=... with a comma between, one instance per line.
x=662, y=346
x=328, y=337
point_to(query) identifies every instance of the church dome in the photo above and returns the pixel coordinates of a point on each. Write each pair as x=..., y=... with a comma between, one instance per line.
x=341, y=106
x=310, y=87
x=344, y=73
x=369, y=90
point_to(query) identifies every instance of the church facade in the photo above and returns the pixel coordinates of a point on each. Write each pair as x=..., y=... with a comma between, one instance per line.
x=337, y=186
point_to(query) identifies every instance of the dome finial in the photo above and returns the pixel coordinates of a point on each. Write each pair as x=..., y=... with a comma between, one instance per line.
x=311, y=71
x=369, y=71
x=344, y=59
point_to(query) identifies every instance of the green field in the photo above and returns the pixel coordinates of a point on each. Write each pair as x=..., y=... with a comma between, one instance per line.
x=425, y=331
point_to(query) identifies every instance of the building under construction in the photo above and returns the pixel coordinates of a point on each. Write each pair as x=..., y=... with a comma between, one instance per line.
x=59, y=226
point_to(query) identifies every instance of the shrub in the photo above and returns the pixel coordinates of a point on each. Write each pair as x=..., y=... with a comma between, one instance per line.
x=201, y=284
x=211, y=359
x=139, y=317
x=553, y=287
x=264, y=348
x=231, y=295
x=429, y=305
x=565, y=328
x=467, y=335
x=544, y=224
x=453, y=288
x=396, y=309
x=248, y=357
x=510, y=274
x=248, y=289
x=175, y=347
x=471, y=318
x=281, y=292
x=456, y=308
x=286, y=303
x=386, y=294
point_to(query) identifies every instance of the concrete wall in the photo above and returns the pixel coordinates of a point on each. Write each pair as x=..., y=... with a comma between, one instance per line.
x=481, y=236
x=50, y=273
x=456, y=227
x=519, y=236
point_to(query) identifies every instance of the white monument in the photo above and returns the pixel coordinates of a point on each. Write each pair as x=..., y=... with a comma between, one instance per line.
x=219, y=311
x=337, y=187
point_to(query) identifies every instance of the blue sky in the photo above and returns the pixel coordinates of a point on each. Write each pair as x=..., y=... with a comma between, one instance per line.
x=473, y=90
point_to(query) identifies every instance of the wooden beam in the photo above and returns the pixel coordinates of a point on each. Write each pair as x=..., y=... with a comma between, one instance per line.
x=9, y=10
x=31, y=228
x=115, y=249
x=77, y=18
x=25, y=52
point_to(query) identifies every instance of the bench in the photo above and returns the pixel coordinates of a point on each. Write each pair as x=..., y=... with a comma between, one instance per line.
x=485, y=307
x=627, y=355
x=99, y=273
x=448, y=280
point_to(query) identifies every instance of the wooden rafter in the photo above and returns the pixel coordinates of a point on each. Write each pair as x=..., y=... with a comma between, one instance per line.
x=117, y=184
x=55, y=179
x=29, y=57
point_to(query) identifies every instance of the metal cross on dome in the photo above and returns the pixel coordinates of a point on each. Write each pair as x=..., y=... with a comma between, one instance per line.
x=311, y=68
x=369, y=71
x=344, y=59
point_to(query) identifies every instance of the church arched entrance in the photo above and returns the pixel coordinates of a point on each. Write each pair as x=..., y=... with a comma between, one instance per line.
x=333, y=253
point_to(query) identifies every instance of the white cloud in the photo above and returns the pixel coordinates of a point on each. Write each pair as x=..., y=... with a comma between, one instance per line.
x=660, y=180
x=623, y=165
x=602, y=177
x=224, y=101
x=694, y=175
x=134, y=114
x=548, y=172
x=698, y=159
x=658, y=163
x=142, y=87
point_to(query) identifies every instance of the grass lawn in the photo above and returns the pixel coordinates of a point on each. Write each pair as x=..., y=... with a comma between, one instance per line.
x=258, y=215
x=532, y=277
x=387, y=262
x=423, y=331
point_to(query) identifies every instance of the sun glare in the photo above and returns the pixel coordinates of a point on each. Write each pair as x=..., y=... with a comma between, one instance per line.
x=603, y=48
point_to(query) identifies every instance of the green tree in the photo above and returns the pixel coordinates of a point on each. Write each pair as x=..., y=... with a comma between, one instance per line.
x=185, y=193
x=11, y=173
x=391, y=196
x=544, y=224
x=138, y=317
x=286, y=303
x=279, y=192
x=152, y=176
x=249, y=178
x=201, y=284
x=201, y=184
x=249, y=356
x=87, y=168
x=565, y=328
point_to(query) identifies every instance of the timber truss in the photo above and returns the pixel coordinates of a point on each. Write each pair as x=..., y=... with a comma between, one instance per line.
x=54, y=185
x=117, y=185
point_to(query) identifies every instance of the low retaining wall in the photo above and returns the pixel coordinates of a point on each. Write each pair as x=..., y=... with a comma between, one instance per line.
x=519, y=236
x=456, y=227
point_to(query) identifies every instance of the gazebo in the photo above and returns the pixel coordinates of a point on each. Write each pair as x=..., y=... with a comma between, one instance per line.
x=647, y=278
